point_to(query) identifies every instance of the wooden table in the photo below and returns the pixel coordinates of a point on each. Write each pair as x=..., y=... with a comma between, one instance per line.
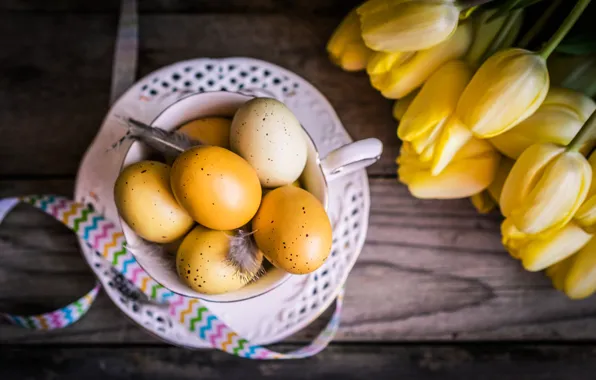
x=433, y=294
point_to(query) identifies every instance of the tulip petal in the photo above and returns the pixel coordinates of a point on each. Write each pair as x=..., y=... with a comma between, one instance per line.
x=525, y=173
x=556, y=197
x=454, y=136
x=506, y=89
x=551, y=248
x=483, y=202
x=346, y=47
x=461, y=179
x=401, y=105
x=406, y=25
x=496, y=186
x=436, y=101
x=561, y=269
x=580, y=281
x=404, y=78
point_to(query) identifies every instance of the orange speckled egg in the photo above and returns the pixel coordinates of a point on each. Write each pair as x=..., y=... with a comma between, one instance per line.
x=209, y=131
x=217, y=187
x=292, y=230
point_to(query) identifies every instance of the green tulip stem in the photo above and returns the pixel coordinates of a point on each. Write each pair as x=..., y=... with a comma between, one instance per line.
x=497, y=41
x=554, y=41
x=537, y=27
x=585, y=134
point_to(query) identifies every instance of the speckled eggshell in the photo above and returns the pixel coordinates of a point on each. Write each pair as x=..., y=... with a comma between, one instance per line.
x=145, y=202
x=209, y=131
x=201, y=262
x=268, y=135
x=217, y=187
x=293, y=230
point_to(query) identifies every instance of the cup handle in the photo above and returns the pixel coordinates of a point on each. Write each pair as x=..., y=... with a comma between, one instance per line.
x=351, y=157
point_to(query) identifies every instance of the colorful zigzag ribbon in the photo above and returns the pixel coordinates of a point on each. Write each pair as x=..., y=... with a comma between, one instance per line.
x=107, y=240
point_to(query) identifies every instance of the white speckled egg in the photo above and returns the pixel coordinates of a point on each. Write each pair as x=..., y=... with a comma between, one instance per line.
x=268, y=135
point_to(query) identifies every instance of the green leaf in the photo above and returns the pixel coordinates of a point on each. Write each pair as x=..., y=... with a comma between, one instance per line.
x=578, y=44
x=511, y=5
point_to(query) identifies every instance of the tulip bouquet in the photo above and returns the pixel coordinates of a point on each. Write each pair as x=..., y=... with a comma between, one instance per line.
x=478, y=118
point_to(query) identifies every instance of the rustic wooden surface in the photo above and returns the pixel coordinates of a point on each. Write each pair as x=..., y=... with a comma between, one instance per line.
x=430, y=271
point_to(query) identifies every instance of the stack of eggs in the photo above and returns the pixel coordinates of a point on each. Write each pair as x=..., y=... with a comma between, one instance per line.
x=226, y=204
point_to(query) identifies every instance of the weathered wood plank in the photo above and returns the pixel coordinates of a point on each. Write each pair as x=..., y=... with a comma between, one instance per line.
x=54, y=86
x=431, y=270
x=338, y=7
x=445, y=362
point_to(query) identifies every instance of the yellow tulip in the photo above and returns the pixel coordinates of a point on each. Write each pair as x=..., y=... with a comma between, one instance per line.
x=545, y=188
x=557, y=120
x=558, y=272
x=401, y=105
x=506, y=89
x=398, y=74
x=406, y=25
x=580, y=279
x=471, y=171
x=586, y=214
x=487, y=200
x=432, y=107
x=483, y=202
x=486, y=31
x=346, y=47
x=538, y=252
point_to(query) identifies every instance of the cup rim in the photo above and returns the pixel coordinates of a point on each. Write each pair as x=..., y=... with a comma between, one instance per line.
x=286, y=275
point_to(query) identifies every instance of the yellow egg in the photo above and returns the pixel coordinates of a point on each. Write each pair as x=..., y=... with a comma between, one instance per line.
x=293, y=230
x=202, y=262
x=209, y=131
x=217, y=187
x=145, y=202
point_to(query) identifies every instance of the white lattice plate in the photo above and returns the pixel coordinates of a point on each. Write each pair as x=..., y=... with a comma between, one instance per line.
x=291, y=306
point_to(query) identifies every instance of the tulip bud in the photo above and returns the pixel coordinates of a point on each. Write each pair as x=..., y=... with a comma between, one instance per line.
x=580, y=281
x=471, y=171
x=586, y=214
x=538, y=252
x=346, y=47
x=545, y=188
x=506, y=89
x=434, y=104
x=398, y=74
x=557, y=120
x=398, y=25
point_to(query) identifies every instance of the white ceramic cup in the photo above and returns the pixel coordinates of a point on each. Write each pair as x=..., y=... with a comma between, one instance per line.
x=317, y=173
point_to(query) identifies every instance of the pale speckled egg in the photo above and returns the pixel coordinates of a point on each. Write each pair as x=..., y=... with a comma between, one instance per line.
x=292, y=230
x=269, y=136
x=146, y=203
x=201, y=262
x=217, y=187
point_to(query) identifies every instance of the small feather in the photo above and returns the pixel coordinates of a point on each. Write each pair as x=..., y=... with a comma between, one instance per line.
x=244, y=255
x=154, y=253
x=169, y=143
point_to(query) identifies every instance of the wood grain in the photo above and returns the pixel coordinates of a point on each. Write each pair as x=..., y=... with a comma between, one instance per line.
x=335, y=7
x=430, y=270
x=345, y=362
x=60, y=81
